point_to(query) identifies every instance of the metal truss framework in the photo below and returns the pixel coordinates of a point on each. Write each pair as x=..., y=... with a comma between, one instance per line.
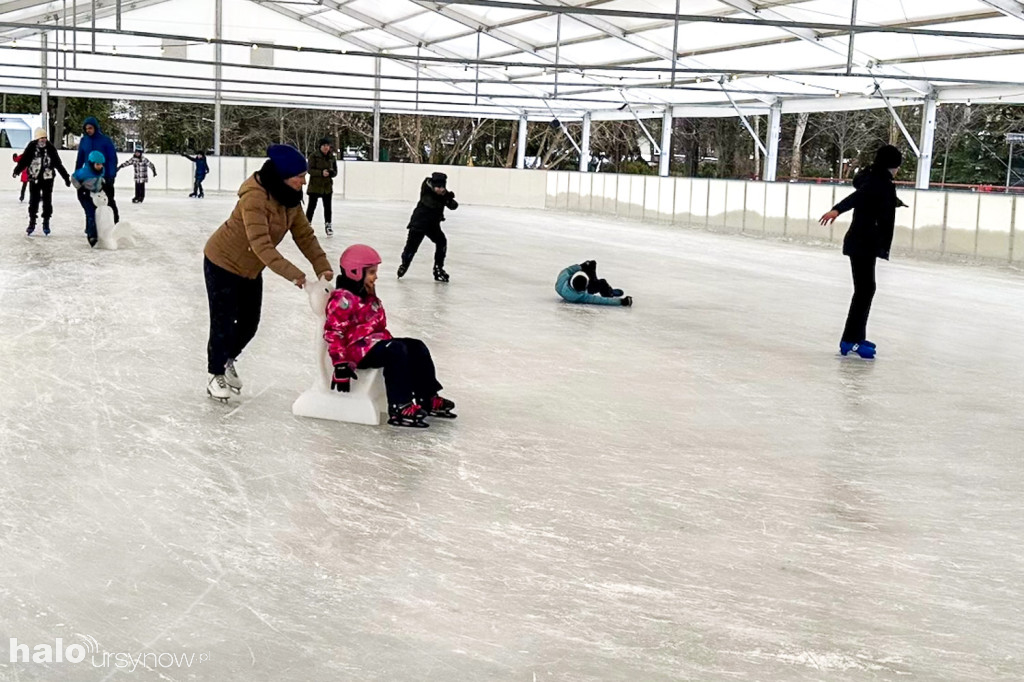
x=527, y=59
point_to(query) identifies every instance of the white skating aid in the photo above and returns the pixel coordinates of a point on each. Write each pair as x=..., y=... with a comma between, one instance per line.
x=109, y=236
x=366, y=401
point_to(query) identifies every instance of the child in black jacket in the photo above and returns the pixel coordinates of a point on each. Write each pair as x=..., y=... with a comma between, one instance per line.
x=426, y=222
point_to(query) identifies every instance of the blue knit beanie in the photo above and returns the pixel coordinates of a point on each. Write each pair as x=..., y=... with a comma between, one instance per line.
x=288, y=160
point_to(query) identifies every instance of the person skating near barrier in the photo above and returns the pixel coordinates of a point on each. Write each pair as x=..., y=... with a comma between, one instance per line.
x=95, y=140
x=269, y=207
x=323, y=168
x=142, y=166
x=358, y=338
x=200, y=171
x=874, y=203
x=24, y=178
x=426, y=223
x=41, y=162
x=580, y=284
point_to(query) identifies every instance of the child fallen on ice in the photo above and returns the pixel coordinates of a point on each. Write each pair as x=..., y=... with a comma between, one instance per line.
x=357, y=338
x=579, y=284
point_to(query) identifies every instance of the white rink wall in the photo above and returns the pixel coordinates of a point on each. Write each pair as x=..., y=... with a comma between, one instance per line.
x=959, y=224
x=356, y=179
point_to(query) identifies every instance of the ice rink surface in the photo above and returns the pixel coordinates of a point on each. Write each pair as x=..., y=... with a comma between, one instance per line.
x=697, y=488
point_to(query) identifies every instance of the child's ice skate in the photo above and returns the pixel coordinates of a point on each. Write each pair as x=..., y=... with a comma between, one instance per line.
x=440, y=407
x=31, y=228
x=861, y=349
x=439, y=274
x=218, y=388
x=402, y=269
x=409, y=414
x=231, y=376
x=46, y=227
x=328, y=230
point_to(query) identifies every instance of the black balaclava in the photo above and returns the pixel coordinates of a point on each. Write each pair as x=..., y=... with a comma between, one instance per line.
x=272, y=181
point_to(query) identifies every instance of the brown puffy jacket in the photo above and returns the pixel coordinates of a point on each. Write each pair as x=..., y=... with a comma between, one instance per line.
x=247, y=242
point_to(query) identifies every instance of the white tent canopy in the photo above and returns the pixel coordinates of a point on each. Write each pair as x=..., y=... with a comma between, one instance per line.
x=537, y=59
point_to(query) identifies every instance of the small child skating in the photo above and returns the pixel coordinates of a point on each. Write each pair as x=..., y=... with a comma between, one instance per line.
x=202, y=169
x=357, y=338
x=24, y=178
x=579, y=284
x=142, y=166
x=42, y=163
x=426, y=223
x=88, y=180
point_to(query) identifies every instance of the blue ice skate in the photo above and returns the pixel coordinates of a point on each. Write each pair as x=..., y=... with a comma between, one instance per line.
x=863, y=350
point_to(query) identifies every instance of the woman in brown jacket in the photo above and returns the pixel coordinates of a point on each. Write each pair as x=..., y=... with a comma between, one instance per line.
x=269, y=206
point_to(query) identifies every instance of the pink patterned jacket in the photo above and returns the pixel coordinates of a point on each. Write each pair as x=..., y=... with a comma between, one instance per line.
x=353, y=326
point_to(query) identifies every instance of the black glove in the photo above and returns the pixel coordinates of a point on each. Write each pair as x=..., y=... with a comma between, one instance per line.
x=343, y=374
x=590, y=268
x=627, y=301
x=67, y=183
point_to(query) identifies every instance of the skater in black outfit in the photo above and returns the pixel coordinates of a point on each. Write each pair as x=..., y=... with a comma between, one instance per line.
x=869, y=238
x=42, y=163
x=426, y=222
x=323, y=168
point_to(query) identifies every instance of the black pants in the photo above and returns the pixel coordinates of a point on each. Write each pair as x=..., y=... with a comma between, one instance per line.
x=23, y=186
x=408, y=369
x=197, y=189
x=108, y=189
x=85, y=199
x=140, y=192
x=434, y=234
x=235, y=304
x=40, y=190
x=863, y=292
x=311, y=209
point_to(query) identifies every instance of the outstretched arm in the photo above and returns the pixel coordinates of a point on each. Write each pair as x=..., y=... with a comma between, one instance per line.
x=449, y=201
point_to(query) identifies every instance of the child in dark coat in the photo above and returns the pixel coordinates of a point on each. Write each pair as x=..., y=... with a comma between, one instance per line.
x=426, y=223
x=869, y=238
x=90, y=180
x=202, y=169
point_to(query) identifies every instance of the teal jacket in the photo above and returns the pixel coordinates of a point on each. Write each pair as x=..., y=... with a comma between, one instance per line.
x=565, y=290
x=86, y=178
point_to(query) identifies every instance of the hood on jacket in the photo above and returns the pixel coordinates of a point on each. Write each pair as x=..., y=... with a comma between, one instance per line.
x=91, y=120
x=866, y=174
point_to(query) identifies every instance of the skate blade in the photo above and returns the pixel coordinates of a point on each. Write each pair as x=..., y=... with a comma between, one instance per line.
x=213, y=397
x=408, y=424
x=443, y=415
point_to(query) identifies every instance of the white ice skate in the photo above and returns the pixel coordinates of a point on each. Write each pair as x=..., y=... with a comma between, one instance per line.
x=218, y=388
x=231, y=376
x=110, y=236
x=365, y=403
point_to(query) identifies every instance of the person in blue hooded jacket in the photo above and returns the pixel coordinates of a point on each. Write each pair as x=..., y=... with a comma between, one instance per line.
x=90, y=180
x=95, y=141
x=579, y=284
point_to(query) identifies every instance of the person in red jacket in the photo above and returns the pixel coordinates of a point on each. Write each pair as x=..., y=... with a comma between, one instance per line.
x=24, y=178
x=357, y=337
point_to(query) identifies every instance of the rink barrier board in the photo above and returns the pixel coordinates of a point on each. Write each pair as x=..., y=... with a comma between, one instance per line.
x=957, y=224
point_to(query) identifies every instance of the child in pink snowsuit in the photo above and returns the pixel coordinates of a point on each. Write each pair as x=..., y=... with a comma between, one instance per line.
x=357, y=338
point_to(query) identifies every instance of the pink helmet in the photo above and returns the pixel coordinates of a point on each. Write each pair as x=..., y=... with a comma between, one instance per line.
x=356, y=259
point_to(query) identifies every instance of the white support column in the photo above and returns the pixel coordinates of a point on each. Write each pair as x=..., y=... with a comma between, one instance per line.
x=665, y=158
x=376, y=109
x=771, y=162
x=44, y=85
x=218, y=26
x=924, y=158
x=585, y=144
x=521, y=143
